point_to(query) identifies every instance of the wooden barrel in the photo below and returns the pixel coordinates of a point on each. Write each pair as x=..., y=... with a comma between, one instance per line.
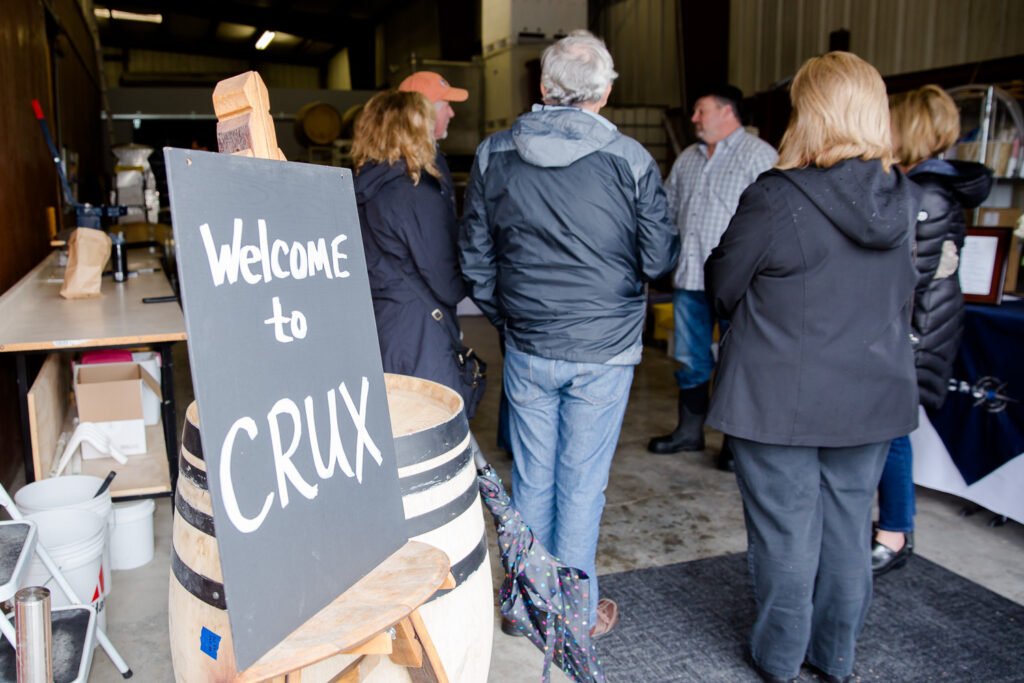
x=200, y=635
x=317, y=123
x=442, y=507
x=348, y=120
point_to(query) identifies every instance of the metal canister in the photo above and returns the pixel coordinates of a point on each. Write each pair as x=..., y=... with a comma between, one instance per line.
x=32, y=621
x=119, y=259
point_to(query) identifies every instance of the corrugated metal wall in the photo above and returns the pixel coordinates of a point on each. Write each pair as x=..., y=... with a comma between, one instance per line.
x=411, y=29
x=770, y=39
x=641, y=35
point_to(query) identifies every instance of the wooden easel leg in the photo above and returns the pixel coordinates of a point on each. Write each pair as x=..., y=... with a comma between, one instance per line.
x=432, y=670
x=406, y=649
x=357, y=670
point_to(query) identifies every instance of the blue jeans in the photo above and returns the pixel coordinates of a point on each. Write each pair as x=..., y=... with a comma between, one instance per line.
x=564, y=424
x=691, y=342
x=896, y=502
x=808, y=516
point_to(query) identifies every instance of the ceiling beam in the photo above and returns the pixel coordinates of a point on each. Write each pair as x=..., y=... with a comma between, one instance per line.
x=214, y=49
x=335, y=22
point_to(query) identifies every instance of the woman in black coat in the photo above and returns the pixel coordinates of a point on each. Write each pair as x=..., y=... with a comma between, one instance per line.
x=409, y=233
x=925, y=123
x=816, y=374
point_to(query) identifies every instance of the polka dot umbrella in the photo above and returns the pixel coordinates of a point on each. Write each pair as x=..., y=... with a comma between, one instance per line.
x=540, y=595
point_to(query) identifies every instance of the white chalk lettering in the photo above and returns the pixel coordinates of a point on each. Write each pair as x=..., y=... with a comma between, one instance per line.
x=265, y=260
x=337, y=256
x=287, y=474
x=261, y=225
x=250, y=255
x=317, y=252
x=283, y=465
x=336, y=454
x=296, y=323
x=242, y=523
x=278, y=320
x=363, y=437
x=275, y=259
x=226, y=265
x=297, y=261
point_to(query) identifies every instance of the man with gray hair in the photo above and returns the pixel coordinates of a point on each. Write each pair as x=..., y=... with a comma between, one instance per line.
x=565, y=220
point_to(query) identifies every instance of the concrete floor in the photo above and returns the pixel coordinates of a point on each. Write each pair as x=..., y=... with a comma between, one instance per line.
x=660, y=510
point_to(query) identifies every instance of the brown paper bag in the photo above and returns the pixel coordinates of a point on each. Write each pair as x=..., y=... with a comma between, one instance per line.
x=88, y=252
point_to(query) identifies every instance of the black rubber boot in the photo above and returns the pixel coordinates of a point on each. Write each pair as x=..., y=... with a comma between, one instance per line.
x=689, y=433
x=724, y=460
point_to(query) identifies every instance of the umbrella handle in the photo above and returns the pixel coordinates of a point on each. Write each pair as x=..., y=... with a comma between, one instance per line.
x=478, y=455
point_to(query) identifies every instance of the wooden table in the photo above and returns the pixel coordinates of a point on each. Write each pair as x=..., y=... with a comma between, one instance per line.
x=34, y=318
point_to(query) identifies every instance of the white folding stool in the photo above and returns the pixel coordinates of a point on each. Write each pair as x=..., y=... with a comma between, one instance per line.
x=75, y=655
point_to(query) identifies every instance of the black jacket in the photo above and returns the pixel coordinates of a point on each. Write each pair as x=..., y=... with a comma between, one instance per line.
x=410, y=229
x=815, y=275
x=564, y=222
x=947, y=189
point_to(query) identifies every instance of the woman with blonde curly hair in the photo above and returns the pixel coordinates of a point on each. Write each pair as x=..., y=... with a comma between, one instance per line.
x=816, y=374
x=409, y=232
x=925, y=123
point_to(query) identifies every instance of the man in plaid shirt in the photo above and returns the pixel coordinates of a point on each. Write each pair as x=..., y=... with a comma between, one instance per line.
x=703, y=190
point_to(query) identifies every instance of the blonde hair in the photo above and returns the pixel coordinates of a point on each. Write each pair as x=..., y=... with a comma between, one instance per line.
x=926, y=123
x=840, y=111
x=396, y=126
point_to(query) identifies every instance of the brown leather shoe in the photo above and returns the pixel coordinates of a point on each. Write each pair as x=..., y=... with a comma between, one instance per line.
x=607, y=617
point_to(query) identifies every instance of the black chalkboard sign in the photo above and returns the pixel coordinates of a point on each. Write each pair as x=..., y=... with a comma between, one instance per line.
x=288, y=381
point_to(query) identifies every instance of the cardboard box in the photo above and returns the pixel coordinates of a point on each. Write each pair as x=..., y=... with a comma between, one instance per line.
x=111, y=396
x=998, y=218
x=150, y=362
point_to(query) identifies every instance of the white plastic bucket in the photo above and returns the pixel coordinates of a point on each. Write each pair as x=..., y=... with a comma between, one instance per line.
x=77, y=492
x=75, y=541
x=131, y=545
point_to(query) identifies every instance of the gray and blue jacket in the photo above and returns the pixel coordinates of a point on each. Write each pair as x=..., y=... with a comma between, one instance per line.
x=565, y=219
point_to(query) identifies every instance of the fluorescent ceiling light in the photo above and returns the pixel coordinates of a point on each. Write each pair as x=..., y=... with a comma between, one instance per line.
x=264, y=40
x=105, y=13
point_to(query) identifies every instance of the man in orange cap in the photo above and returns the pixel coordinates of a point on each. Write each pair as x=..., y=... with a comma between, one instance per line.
x=435, y=88
x=438, y=91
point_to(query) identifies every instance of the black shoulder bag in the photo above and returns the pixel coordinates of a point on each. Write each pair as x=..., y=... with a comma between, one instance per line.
x=472, y=368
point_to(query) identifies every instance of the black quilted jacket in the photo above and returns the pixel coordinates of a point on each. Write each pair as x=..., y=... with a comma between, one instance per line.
x=948, y=187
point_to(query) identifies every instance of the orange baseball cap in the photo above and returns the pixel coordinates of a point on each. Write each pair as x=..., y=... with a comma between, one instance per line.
x=433, y=86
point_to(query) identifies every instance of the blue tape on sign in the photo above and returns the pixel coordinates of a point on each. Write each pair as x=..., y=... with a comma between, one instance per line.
x=209, y=642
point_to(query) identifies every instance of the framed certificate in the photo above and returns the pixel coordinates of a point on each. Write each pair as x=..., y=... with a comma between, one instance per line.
x=983, y=264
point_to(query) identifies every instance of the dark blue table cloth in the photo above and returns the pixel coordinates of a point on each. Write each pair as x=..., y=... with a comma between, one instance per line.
x=982, y=420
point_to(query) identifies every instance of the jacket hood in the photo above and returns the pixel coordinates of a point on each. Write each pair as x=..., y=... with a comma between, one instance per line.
x=553, y=137
x=874, y=209
x=373, y=176
x=968, y=181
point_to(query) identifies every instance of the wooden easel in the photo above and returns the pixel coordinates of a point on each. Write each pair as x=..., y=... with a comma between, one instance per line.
x=378, y=616
x=244, y=124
